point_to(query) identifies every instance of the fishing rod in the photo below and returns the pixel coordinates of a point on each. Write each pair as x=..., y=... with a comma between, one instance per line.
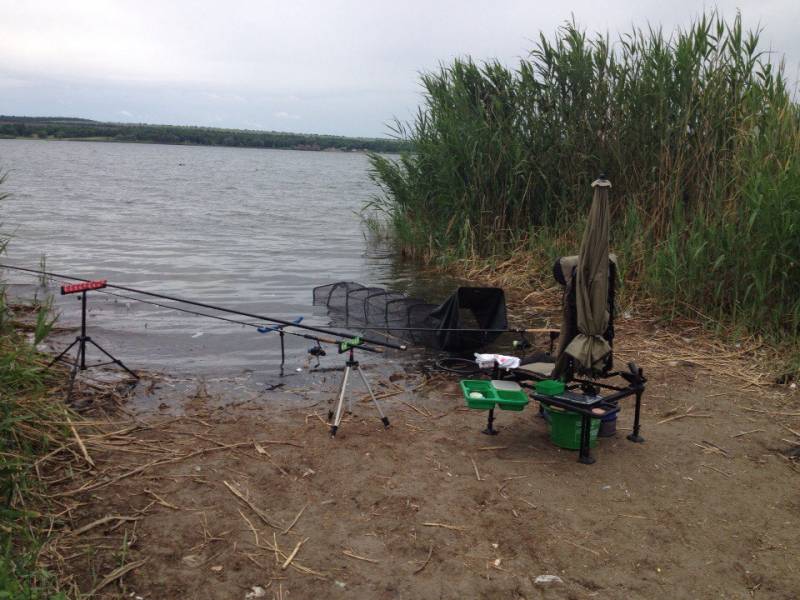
x=473, y=330
x=313, y=338
x=283, y=322
x=260, y=328
x=280, y=329
x=316, y=351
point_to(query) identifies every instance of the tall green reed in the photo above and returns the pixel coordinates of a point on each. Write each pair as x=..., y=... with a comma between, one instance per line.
x=697, y=131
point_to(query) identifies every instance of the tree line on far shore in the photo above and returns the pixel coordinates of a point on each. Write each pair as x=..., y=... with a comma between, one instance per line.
x=85, y=129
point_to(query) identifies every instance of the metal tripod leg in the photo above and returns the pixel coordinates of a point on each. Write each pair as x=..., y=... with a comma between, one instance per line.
x=67, y=349
x=339, y=408
x=113, y=359
x=283, y=350
x=384, y=420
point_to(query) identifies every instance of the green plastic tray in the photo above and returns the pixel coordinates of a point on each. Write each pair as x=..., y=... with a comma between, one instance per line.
x=511, y=399
x=550, y=387
x=484, y=387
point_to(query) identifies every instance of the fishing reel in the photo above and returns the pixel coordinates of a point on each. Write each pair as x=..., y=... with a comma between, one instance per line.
x=316, y=351
x=522, y=344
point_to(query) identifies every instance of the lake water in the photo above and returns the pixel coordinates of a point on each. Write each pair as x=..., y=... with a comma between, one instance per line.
x=253, y=230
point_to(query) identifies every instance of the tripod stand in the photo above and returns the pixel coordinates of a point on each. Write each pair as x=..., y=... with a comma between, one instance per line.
x=335, y=416
x=83, y=339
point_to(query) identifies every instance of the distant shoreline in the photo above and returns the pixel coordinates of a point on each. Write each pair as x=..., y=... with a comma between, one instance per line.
x=109, y=140
x=74, y=129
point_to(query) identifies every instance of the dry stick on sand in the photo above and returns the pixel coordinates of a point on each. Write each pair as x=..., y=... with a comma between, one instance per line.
x=445, y=526
x=261, y=515
x=116, y=574
x=381, y=396
x=357, y=557
x=290, y=558
x=80, y=442
x=475, y=466
x=595, y=552
x=296, y=519
x=747, y=433
x=715, y=469
x=103, y=521
x=252, y=528
x=797, y=433
x=412, y=407
x=676, y=417
x=161, y=500
x=427, y=560
x=772, y=413
x=713, y=445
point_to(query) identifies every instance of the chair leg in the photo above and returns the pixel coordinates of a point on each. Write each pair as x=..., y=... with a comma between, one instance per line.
x=490, y=430
x=584, y=456
x=634, y=435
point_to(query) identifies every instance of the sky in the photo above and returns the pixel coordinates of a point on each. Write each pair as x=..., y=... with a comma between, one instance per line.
x=327, y=66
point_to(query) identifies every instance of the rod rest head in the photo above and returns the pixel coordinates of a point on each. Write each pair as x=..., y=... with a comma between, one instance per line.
x=635, y=375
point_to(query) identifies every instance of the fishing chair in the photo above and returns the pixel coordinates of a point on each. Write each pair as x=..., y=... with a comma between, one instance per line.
x=584, y=393
x=545, y=365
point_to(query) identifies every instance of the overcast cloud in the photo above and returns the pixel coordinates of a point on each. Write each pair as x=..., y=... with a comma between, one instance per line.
x=343, y=67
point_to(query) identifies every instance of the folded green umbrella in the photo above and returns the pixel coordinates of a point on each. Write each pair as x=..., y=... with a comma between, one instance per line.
x=589, y=348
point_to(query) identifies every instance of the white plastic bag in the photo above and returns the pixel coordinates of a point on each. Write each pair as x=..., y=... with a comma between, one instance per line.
x=488, y=361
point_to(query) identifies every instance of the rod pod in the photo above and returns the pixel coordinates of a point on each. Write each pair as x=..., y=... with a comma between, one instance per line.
x=80, y=357
x=336, y=414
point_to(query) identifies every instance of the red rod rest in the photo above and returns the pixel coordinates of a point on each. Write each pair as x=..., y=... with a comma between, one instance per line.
x=74, y=288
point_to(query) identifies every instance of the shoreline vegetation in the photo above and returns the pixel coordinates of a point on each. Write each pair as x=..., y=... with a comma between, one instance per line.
x=76, y=129
x=697, y=131
x=33, y=422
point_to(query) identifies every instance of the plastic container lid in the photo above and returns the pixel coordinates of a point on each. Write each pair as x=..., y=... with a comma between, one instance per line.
x=502, y=384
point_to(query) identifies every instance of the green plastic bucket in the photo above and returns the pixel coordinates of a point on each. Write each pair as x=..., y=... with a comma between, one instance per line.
x=565, y=428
